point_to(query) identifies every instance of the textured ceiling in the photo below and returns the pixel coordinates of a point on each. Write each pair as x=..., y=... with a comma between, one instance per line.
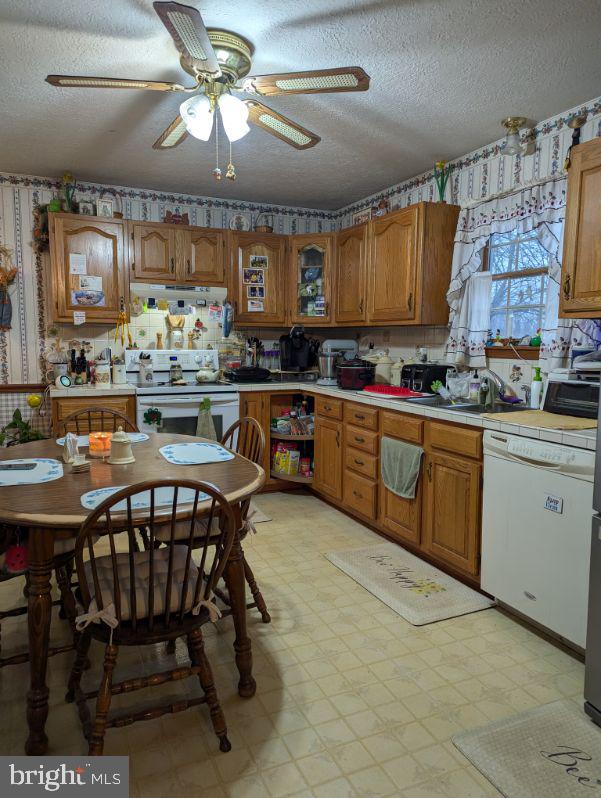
x=444, y=72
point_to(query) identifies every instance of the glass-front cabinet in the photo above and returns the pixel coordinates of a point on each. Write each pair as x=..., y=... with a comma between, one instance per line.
x=312, y=262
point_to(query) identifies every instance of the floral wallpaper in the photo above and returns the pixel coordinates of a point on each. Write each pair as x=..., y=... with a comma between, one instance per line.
x=477, y=175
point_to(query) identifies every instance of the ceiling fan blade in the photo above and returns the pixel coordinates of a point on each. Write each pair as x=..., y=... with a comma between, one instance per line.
x=171, y=136
x=82, y=82
x=316, y=81
x=280, y=126
x=187, y=30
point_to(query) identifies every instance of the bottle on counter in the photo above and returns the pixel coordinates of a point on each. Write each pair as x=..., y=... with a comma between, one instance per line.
x=536, y=389
x=474, y=391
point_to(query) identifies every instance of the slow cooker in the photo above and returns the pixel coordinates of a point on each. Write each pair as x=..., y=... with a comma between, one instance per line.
x=354, y=375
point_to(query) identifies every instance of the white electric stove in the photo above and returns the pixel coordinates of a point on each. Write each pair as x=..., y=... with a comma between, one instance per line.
x=165, y=407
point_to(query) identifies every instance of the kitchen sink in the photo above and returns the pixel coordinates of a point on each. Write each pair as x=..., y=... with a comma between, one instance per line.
x=464, y=407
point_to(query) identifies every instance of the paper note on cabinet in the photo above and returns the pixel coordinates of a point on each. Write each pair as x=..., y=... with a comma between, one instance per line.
x=77, y=263
x=255, y=306
x=90, y=282
x=79, y=317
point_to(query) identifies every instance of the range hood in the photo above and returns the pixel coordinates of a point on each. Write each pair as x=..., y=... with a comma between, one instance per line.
x=190, y=294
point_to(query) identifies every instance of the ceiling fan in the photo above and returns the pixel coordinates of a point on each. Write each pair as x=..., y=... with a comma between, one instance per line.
x=219, y=62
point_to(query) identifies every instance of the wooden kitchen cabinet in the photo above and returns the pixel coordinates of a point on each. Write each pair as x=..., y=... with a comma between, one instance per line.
x=452, y=507
x=243, y=246
x=311, y=272
x=580, y=290
x=153, y=253
x=256, y=404
x=100, y=245
x=164, y=253
x=64, y=406
x=410, y=254
x=351, y=275
x=328, y=457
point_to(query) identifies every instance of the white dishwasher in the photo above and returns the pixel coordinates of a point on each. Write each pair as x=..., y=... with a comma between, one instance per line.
x=536, y=534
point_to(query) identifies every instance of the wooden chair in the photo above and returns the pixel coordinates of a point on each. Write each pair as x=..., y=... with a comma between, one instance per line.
x=95, y=419
x=63, y=560
x=136, y=598
x=246, y=438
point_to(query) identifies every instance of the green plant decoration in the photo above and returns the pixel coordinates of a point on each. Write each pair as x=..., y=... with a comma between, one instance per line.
x=441, y=176
x=19, y=431
x=153, y=416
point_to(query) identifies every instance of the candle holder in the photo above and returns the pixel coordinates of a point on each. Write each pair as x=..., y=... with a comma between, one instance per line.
x=100, y=444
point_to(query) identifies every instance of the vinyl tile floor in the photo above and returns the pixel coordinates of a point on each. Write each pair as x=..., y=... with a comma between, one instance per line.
x=351, y=699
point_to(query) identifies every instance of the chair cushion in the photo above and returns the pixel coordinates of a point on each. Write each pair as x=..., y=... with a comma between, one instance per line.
x=104, y=567
x=182, y=529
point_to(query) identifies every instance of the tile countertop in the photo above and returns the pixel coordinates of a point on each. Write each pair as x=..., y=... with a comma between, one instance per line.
x=91, y=390
x=582, y=439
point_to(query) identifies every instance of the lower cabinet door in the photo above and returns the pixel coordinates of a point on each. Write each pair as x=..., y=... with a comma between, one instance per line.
x=328, y=457
x=452, y=498
x=360, y=495
x=400, y=517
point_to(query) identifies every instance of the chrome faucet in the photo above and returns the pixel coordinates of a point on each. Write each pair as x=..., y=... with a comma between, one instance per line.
x=502, y=388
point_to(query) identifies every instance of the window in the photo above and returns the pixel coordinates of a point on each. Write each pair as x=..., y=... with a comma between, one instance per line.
x=519, y=266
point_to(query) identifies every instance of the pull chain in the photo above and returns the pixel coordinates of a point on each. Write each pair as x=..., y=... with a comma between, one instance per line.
x=217, y=170
x=231, y=170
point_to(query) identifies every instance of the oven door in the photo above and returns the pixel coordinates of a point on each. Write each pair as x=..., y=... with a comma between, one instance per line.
x=179, y=414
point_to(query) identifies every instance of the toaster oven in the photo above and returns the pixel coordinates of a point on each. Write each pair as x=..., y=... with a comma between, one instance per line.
x=420, y=376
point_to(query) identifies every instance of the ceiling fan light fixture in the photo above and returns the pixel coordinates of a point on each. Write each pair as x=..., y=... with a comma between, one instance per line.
x=234, y=115
x=198, y=116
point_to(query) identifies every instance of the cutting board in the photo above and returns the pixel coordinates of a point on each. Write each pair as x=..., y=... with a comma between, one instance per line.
x=540, y=418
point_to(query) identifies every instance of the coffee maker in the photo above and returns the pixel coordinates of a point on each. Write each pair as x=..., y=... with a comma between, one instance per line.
x=297, y=352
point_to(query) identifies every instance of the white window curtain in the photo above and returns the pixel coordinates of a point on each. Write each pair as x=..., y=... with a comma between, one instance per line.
x=539, y=206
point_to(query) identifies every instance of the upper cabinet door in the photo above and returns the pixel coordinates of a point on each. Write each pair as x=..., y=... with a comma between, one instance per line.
x=87, y=267
x=351, y=275
x=393, y=266
x=580, y=289
x=205, y=264
x=311, y=263
x=154, y=253
x=258, y=263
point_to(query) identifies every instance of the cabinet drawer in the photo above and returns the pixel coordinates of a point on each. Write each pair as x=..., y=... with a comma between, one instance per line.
x=361, y=416
x=407, y=428
x=452, y=438
x=363, y=463
x=332, y=408
x=362, y=439
x=360, y=494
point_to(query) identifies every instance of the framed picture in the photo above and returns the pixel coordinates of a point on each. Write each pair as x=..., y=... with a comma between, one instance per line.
x=255, y=291
x=360, y=217
x=105, y=208
x=87, y=208
x=259, y=261
x=253, y=277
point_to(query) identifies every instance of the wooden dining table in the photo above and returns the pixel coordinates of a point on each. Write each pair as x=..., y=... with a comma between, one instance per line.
x=53, y=511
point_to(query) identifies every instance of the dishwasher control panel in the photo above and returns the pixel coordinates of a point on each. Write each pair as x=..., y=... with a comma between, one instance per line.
x=568, y=460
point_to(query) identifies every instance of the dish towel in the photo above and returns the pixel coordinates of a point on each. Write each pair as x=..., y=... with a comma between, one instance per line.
x=400, y=466
x=205, y=428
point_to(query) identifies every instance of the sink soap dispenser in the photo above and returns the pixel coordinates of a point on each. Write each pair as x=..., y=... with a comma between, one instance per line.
x=536, y=389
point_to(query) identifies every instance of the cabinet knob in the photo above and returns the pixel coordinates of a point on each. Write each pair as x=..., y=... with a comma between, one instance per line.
x=338, y=438
x=566, y=286
x=360, y=306
x=410, y=301
x=360, y=416
x=359, y=462
x=172, y=264
x=359, y=440
x=189, y=267
x=429, y=470
x=357, y=494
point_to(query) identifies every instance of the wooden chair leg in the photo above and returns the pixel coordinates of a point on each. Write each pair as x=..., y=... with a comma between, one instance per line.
x=256, y=593
x=205, y=676
x=79, y=665
x=63, y=579
x=103, y=702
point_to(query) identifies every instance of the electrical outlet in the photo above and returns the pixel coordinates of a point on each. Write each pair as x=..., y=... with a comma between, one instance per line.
x=385, y=336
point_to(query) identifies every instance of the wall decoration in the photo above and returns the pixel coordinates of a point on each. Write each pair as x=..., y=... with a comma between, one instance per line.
x=8, y=272
x=176, y=218
x=105, y=208
x=88, y=298
x=253, y=277
x=258, y=261
x=255, y=291
x=360, y=217
x=239, y=222
x=442, y=172
x=69, y=184
x=87, y=209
